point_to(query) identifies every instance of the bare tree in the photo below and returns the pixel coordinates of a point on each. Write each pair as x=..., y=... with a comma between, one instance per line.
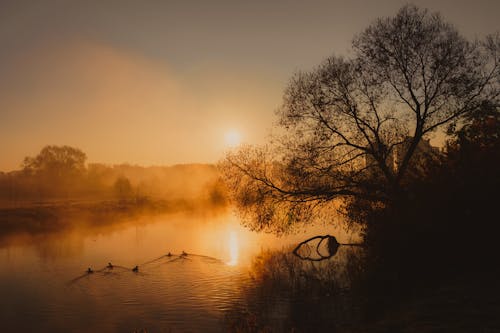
x=351, y=127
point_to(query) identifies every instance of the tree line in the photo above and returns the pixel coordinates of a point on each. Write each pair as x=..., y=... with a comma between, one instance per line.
x=61, y=173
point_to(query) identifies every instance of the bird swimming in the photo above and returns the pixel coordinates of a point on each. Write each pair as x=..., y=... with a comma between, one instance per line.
x=110, y=266
x=184, y=254
x=169, y=254
x=90, y=271
x=135, y=269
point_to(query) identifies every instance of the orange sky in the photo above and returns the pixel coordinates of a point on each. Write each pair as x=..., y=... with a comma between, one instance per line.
x=155, y=82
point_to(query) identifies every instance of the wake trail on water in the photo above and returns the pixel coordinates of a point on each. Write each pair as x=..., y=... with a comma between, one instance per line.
x=111, y=268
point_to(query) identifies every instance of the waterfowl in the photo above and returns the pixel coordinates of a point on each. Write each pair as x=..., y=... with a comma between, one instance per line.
x=169, y=254
x=90, y=271
x=135, y=269
x=110, y=266
x=184, y=253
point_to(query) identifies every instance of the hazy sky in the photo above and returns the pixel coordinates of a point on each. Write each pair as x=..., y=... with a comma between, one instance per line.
x=162, y=82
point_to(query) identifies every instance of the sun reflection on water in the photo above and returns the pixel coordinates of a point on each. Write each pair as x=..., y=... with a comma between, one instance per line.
x=233, y=249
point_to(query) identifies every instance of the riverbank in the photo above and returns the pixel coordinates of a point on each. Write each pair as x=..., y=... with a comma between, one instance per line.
x=467, y=303
x=43, y=217
x=336, y=295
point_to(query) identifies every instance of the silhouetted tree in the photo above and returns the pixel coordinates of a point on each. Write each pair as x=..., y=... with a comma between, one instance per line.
x=351, y=127
x=123, y=188
x=56, y=161
x=56, y=170
x=480, y=131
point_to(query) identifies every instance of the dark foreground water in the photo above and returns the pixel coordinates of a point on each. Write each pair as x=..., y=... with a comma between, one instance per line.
x=44, y=286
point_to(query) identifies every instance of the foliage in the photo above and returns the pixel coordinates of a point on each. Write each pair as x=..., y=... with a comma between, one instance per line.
x=446, y=225
x=59, y=173
x=354, y=128
x=56, y=161
x=291, y=295
x=56, y=171
x=123, y=188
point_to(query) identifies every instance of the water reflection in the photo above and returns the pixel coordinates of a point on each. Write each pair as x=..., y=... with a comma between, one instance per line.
x=45, y=287
x=290, y=294
x=233, y=249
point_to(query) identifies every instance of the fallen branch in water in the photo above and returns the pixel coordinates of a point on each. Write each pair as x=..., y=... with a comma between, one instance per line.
x=332, y=246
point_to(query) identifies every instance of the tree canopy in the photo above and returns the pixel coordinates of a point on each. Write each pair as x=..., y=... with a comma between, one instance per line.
x=56, y=161
x=352, y=127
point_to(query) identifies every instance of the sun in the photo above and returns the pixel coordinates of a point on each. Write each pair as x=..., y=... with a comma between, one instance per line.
x=232, y=138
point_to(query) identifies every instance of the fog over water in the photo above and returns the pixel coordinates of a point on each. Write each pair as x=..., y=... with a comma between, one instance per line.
x=45, y=286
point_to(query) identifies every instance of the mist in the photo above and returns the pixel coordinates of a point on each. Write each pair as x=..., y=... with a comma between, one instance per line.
x=56, y=191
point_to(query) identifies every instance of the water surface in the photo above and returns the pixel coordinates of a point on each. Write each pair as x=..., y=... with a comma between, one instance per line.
x=45, y=287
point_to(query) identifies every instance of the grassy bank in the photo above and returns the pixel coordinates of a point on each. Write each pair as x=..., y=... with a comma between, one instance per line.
x=49, y=217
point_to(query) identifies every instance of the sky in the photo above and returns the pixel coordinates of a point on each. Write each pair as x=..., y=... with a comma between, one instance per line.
x=169, y=82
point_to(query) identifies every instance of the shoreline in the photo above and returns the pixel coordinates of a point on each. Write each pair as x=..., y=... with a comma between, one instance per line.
x=50, y=217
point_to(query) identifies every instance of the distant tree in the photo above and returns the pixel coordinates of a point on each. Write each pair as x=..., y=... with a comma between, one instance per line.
x=56, y=161
x=56, y=171
x=216, y=193
x=123, y=188
x=341, y=123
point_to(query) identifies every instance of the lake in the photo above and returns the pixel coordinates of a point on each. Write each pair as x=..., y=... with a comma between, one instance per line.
x=45, y=286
